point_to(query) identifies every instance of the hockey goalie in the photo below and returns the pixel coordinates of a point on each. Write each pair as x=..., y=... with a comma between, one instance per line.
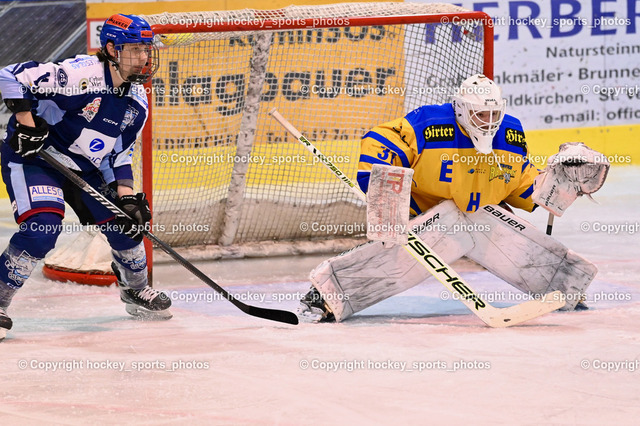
x=470, y=164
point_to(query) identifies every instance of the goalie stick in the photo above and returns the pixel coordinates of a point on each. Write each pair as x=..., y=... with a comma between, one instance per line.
x=269, y=314
x=550, y=224
x=490, y=315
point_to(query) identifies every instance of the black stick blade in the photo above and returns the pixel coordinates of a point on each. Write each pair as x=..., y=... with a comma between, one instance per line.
x=273, y=315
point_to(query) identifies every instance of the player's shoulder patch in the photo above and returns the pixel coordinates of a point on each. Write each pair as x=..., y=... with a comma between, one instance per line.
x=81, y=61
x=82, y=73
x=139, y=94
x=61, y=77
x=513, y=133
x=435, y=123
x=439, y=133
x=515, y=137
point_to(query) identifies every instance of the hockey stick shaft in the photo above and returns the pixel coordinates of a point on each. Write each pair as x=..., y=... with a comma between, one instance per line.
x=493, y=317
x=550, y=223
x=269, y=314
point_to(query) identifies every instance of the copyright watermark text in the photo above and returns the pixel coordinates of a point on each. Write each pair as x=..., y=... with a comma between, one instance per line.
x=610, y=366
x=111, y=365
x=393, y=365
x=629, y=228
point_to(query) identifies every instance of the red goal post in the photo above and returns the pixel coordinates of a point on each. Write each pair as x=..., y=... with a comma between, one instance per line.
x=226, y=180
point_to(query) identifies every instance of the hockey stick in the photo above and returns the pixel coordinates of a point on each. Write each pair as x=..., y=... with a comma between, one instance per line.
x=269, y=314
x=550, y=223
x=490, y=315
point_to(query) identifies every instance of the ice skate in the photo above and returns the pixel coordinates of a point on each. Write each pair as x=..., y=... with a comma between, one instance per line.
x=582, y=304
x=146, y=303
x=5, y=324
x=313, y=309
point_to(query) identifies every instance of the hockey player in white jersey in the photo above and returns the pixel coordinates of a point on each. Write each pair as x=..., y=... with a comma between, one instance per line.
x=87, y=112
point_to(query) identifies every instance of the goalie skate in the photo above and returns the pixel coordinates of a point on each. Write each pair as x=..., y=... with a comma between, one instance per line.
x=313, y=309
x=5, y=324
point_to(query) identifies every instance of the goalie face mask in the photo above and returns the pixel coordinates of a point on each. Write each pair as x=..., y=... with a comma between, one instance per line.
x=479, y=109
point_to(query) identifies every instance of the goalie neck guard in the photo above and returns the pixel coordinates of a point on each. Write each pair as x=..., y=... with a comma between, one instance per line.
x=479, y=109
x=121, y=30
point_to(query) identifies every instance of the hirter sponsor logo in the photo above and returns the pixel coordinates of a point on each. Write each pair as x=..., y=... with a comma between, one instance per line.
x=516, y=138
x=439, y=133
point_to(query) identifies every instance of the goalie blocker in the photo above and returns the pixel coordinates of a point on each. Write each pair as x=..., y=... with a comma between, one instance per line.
x=505, y=244
x=388, y=204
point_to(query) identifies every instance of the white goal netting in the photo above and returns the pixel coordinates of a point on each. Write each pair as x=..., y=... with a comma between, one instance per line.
x=226, y=175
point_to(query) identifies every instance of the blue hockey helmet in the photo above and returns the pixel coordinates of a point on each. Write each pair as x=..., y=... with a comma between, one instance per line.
x=130, y=29
x=121, y=29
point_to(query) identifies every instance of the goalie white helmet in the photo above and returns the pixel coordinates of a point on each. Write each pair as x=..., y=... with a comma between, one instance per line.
x=479, y=109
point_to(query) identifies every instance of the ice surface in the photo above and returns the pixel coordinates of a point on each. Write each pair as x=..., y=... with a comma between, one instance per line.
x=212, y=364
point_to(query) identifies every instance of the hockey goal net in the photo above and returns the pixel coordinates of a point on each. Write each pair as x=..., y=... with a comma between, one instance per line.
x=223, y=174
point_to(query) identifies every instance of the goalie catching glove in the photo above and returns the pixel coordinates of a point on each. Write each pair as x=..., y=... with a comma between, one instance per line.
x=28, y=141
x=574, y=171
x=137, y=207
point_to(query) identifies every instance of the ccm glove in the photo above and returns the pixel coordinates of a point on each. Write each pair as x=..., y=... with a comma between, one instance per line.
x=137, y=207
x=27, y=141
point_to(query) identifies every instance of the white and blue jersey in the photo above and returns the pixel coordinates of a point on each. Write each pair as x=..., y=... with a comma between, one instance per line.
x=92, y=128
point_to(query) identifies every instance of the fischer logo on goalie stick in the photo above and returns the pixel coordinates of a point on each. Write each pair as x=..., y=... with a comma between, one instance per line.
x=441, y=269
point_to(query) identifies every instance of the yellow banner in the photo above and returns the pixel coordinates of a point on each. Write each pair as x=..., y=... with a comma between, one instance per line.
x=322, y=77
x=333, y=83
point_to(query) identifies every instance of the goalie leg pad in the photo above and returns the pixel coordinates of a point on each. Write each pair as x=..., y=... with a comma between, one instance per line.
x=525, y=257
x=372, y=272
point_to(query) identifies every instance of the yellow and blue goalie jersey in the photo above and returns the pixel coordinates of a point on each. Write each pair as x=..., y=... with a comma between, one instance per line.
x=446, y=164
